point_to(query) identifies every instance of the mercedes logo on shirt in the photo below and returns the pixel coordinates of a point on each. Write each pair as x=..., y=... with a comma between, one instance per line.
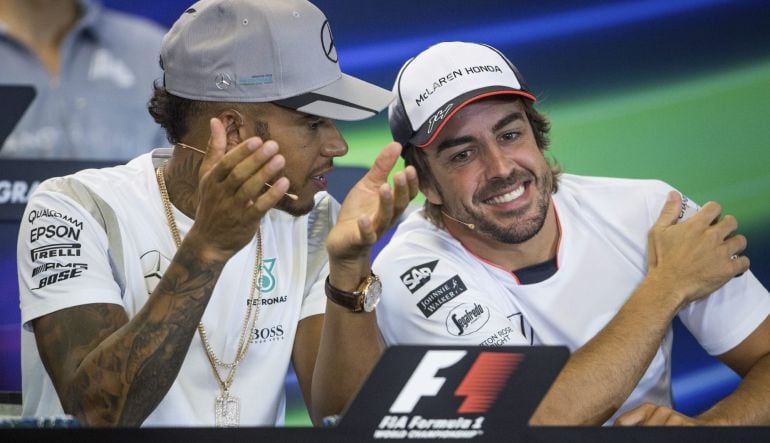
x=327, y=42
x=223, y=81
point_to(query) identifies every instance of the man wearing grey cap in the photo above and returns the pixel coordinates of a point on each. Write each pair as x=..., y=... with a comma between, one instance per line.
x=175, y=290
x=507, y=250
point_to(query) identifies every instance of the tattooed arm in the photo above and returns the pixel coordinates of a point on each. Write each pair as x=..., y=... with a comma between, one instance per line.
x=109, y=370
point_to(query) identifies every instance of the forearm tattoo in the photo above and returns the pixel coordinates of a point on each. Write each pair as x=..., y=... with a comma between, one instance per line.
x=108, y=370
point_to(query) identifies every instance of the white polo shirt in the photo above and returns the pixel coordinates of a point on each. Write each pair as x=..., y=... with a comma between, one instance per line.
x=101, y=236
x=437, y=292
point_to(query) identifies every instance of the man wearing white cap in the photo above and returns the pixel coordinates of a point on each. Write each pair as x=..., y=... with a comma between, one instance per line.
x=509, y=251
x=175, y=290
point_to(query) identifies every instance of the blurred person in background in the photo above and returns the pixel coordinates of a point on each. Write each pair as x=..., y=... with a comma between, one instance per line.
x=92, y=69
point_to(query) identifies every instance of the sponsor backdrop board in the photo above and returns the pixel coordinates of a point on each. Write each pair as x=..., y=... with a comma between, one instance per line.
x=430, y=392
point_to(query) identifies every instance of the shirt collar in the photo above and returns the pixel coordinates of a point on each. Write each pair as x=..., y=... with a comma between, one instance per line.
x=90, y=18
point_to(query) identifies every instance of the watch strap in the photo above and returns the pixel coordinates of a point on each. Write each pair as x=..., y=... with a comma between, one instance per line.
x=350, y=300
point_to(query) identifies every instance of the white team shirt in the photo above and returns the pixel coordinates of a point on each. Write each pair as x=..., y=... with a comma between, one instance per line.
x=101, y=236
x=438, y=292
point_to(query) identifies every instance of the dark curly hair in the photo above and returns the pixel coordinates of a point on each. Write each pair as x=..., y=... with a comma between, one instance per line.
x=176, y=114
x=418, y=158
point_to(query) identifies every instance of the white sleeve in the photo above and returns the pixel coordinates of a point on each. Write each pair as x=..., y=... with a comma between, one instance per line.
x=320, y=222
x=62, y=258
x=314, y=302
x=729, y=315
x=725, y=318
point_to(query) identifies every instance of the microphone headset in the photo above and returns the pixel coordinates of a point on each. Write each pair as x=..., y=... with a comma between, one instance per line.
x=470, y=226
x=201, y=151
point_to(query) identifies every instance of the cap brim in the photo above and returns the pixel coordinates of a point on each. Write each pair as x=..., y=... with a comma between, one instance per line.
x=347, y=98
x=428, y=132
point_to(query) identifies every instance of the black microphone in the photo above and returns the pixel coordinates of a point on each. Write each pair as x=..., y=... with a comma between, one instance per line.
x=470, y=226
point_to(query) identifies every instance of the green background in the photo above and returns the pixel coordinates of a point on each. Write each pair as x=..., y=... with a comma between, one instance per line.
x=705, y=135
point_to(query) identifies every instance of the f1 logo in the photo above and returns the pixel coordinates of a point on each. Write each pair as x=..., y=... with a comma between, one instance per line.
x=423, y=381
x=480, y=386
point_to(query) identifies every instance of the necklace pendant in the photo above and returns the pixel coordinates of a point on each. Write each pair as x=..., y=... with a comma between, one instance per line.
x=227, y=411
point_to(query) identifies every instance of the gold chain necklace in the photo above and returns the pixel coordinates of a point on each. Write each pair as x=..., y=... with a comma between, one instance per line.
x=226, y=406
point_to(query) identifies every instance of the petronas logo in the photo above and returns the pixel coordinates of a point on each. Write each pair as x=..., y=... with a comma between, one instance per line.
x=268, y=279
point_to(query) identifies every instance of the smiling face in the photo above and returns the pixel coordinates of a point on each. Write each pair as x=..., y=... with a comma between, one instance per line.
x=488, y=170
x=309, y=143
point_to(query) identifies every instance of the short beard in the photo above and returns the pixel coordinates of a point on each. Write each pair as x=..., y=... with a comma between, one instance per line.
x=293, y=208
x=522, y=229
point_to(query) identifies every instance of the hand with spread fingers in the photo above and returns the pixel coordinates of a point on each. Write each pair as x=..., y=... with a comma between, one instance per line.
x=231, y=201
x=370, y=208
x=701, y=253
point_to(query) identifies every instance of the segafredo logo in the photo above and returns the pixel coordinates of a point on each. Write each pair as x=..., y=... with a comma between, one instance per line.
x=466, y=319
x=480, y=387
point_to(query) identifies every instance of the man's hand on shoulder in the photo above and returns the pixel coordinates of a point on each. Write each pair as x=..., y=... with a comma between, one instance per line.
x=697, y=256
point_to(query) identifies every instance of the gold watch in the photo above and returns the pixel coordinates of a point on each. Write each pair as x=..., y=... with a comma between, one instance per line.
x=363, y=299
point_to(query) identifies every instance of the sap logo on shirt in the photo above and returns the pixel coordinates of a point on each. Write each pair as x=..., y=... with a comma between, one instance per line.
x=466, y=318
x=416, y=277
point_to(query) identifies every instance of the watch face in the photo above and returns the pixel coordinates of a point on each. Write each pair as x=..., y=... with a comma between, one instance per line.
x=372, y=296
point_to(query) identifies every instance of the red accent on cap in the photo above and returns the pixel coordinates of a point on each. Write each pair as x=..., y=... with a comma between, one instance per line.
x=471, y=100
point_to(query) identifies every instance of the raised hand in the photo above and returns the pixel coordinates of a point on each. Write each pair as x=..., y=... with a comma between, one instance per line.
x=370, y=208
x=696, y=256
x=231, y=201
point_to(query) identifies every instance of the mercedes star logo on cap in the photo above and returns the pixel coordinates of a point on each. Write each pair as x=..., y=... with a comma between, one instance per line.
x=327, y=42
x=223, y=81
